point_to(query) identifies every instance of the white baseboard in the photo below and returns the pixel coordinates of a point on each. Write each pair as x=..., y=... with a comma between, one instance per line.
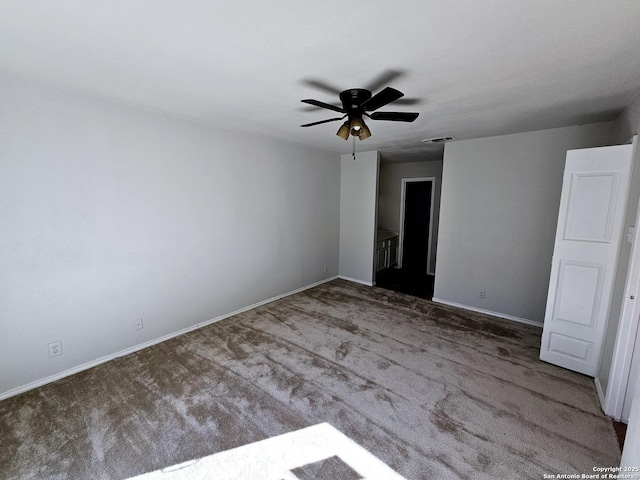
x=488, y=312
x=141, y=346
x=362, y=282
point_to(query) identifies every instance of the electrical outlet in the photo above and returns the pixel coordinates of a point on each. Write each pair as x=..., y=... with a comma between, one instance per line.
x=139, y=324
x=482, y=295
x=55, y=349
x=324, y=269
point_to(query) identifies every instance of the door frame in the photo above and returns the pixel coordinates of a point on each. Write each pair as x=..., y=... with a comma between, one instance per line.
x=625, y=337
x=403, y=192
x=627, y=330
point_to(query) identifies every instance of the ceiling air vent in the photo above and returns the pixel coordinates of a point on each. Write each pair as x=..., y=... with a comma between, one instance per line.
x=438, y=139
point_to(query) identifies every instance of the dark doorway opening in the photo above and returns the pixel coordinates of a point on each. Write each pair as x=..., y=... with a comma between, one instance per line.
x=417, y=219
x=413, y=276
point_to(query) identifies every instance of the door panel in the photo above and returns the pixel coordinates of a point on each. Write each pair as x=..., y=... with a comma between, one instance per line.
x=578, y=291
x=570, y=347
x=591, y=206
x=590, y=222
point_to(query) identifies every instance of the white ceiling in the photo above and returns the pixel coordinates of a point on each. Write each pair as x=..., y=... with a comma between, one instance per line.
x=471, y=68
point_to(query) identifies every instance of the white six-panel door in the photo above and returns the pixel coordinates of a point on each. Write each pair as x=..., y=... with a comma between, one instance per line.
x=590, y=222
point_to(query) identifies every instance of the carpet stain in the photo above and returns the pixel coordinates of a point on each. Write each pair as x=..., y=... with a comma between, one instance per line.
x=381, y=395
x=444, y=423
x=383, y=364
x=367, y=385
x=483, y=461
x=343, y=350
x=503, y=352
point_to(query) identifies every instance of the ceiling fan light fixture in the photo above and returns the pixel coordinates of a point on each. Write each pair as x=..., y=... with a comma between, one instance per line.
x=356, y=126
x=343, y=132
x=364, y=132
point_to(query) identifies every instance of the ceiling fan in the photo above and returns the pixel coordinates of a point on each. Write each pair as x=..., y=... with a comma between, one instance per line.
x=356, y=104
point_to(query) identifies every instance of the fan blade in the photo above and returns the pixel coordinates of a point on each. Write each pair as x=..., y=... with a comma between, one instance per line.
x=384, y=78
x=395, y=116
x=317, y=103
x=322, y=121
x=380, y=99
x=322, y=85
x=408, y=101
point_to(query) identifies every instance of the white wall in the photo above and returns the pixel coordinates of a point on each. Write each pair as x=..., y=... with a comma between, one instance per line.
x=498, y=214
x=628, y=122
x=358, y=199
x=389, y=195
x=110, y=213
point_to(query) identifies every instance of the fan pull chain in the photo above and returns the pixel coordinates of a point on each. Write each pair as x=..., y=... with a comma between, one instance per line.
x=354, y=147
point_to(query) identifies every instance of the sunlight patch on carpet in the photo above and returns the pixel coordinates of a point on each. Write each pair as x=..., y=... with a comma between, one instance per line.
x=319, y=452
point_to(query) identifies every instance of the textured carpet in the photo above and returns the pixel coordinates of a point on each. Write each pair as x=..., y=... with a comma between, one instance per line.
x=432, y=391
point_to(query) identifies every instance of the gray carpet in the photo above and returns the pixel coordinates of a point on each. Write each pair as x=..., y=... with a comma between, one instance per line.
x=432, y=391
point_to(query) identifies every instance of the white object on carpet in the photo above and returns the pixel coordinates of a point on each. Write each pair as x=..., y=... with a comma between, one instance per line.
x=276, y=457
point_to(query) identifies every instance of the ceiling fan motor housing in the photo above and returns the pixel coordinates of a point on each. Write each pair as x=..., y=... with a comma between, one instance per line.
x=352, y=101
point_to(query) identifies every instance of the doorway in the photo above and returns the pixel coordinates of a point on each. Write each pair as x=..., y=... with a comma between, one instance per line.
x=416, y=214
x=414, y=274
